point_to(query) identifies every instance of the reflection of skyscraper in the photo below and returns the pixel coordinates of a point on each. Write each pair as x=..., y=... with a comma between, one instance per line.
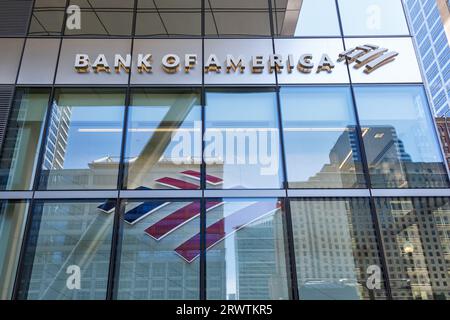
x=345, y=162
x=58, y=133
x=334, y=245
x=259, y=250
x=57, y=249
x=416, y=244
x=443, y=125
x=388, y=161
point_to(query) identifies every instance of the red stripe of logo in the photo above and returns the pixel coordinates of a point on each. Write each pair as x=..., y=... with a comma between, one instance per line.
x=190, y=249
x=176, y=183
x=196, y=175
x=177, y=219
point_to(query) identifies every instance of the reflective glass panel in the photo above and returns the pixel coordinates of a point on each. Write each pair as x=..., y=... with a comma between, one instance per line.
x=102, y=18
x=168, y=18
x=12, y=223
x=237, y=18
x=159, y=250
x=83, y=144
x=242, y=140
x=68, y=251
x=22, y=140
x=246, y=256
x=336, y=251
x=299, y=18
x=47, y=18
x=320, y=138
x=417, y=246
x=372, y=17
x=400, y=140
x=163, y=146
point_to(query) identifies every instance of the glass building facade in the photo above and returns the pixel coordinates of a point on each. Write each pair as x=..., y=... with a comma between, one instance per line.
x=250, y=156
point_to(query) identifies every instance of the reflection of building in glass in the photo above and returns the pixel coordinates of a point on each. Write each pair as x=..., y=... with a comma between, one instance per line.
x=259, y=251
x=416, y=246
x=345, y=167
x=334, y=245
x=443, y=125
x=66, y=234
x=58, y=134
x=389, y=163
x=150, y=269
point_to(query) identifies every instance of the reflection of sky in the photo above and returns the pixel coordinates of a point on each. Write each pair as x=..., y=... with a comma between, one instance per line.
x=405, y=109
x=245, y=110
x=313, y=11
x=373, y=17
x=151, y=117
x=308, y=153
x=313, y=121
x=86, y=146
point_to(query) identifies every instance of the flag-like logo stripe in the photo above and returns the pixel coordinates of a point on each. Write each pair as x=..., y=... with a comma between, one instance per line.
x=177, y=219
x=212, y=180
x=215, y=233
x=143, y=210
x=176, y=183
x=370, y=55
x=218, y=231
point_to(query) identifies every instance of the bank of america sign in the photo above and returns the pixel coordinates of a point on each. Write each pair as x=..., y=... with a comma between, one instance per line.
x=369, y=56
x=189, y=250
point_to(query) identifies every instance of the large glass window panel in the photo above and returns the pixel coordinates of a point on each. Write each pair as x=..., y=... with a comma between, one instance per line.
x=400, y=140
x=163, y=145
x=12, y=223
x=103, y=18
x=23, y=138
x=246, y=255
x=168, y=18
x=320, y=138
x=300, y=18
x=336, y=250
x=82, y=149
x=242, y=140
x=47, y=18
x=68, y=251
x=417, y=246
x=373, y=17
x=159, y=250
x=237, y=18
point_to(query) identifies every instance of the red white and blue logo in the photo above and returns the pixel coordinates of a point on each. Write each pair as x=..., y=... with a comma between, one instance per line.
x=216, y=232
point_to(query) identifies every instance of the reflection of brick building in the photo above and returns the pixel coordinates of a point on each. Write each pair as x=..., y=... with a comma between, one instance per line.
x=443, y=125
x=417, y=246
x=335, y=244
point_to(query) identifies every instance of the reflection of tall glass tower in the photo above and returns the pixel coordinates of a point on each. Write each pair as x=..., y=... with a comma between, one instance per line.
x=58, y=133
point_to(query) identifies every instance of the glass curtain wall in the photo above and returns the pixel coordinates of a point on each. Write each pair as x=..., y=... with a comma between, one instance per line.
x=83, y=143
x=13, y=215
x=67, y=252
x=23, y=137
x=163, y=144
